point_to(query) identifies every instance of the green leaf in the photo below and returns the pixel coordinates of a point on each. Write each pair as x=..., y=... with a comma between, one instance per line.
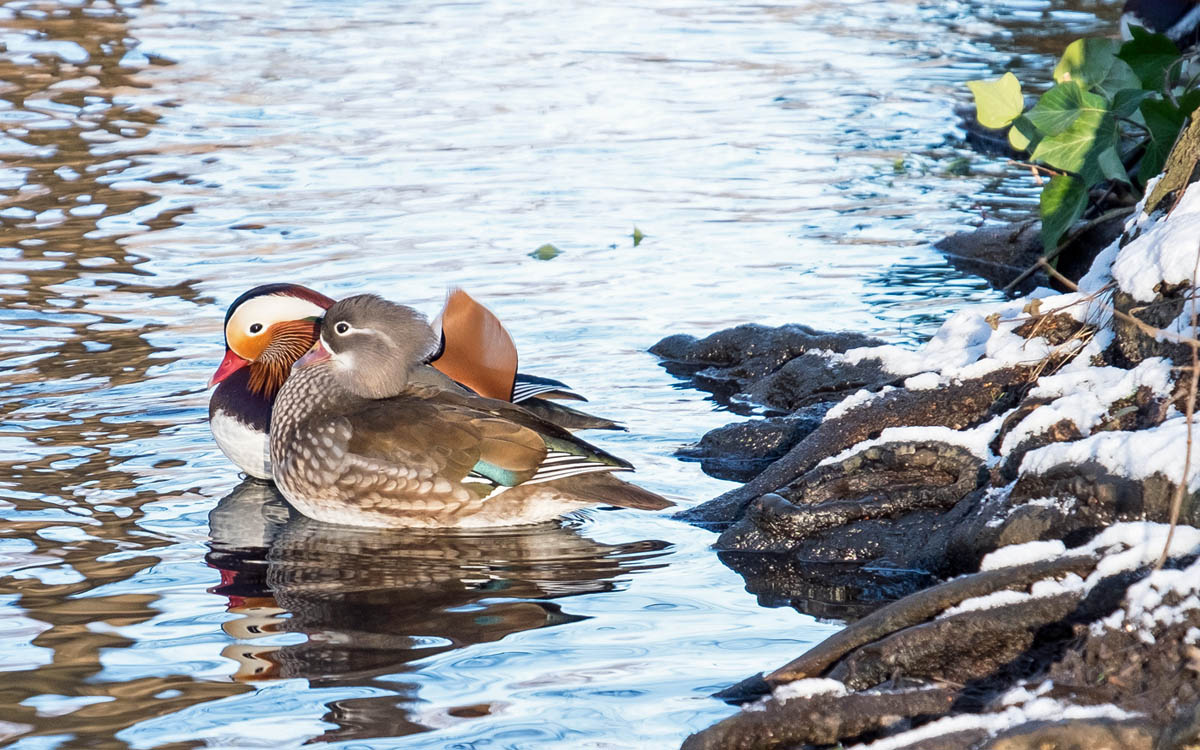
x=1022, y=134
x=997, y=102
x=1126, y=101
x=1120, y=76
x=1060, y=106
x=1086, y=61
x=545, y=252
x=1110, y=165
x=1164, y=123
x=1189, y=102
x=638, y=236
x=1077, y=149
x=1062, y=203
x=1149, y=55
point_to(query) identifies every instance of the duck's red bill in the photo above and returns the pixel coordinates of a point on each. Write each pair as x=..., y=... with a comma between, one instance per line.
x=316, y=354
x=231, y=364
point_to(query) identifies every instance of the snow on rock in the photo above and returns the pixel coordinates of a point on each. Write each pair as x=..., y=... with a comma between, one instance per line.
x=856, y=400
x=960, y=341
x=1021, y=554
x=1166, y=251
x=1083, y=396
x=1038, y=709
x=807, y=688
x=1136, y=455
x=975, y=439
x=982, y=339
x=923, y=382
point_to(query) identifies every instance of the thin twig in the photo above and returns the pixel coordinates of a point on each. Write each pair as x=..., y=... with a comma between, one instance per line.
x=1189, y=411
x=1112, y=213
x=1142, y=326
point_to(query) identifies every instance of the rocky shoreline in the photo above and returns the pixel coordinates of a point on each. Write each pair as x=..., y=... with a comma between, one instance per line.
x=985, y=510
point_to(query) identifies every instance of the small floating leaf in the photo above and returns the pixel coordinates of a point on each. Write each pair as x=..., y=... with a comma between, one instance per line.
x=960, y=166
x=637, y=236
x=998, y=102
x=545, y=252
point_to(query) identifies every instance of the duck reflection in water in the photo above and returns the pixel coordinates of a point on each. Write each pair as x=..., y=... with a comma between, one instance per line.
x=371, y=602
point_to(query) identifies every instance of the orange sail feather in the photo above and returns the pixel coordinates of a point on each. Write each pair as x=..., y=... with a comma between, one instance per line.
x=477, y=350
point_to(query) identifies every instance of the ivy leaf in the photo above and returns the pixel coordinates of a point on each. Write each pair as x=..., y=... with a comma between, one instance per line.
x=1022, y=135
x=1125, y=102
x=1149, y=55
x=1164, y=122
x=1110, y=165
x=1063, y=201
x=1120, y=76
x=1077, y=149
x=1189, y=102
x=1086, y=61
x=1060, y=106
x=997, y=102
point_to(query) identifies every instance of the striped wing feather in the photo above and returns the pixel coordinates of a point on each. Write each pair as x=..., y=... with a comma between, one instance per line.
x=464, y=438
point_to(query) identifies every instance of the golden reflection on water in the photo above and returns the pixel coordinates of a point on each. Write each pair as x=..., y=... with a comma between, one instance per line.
x=66, y=139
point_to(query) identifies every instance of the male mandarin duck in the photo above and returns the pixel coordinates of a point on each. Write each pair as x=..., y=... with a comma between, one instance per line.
x=356, y=439
x=269, y=327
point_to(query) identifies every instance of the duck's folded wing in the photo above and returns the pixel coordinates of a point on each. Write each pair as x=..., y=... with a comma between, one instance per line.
x=442, y=442
x=556, y=438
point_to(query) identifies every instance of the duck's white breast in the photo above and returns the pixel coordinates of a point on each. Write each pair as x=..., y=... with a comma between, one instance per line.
x=247, y=447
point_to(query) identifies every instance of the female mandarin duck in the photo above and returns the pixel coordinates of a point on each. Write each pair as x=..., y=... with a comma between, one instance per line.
x=269, y=327
x=356, y=439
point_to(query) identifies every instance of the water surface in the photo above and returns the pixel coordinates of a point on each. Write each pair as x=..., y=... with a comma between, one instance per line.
x=786, y=164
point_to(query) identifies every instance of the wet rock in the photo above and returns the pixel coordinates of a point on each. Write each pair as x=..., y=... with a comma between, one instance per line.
x=730, y=361
x=957, y=406
x=1080, y=734
x=875, y=489
x=1135, y=345
x=1062, y=431
x=919, y=608
x=998, y=253
x=1158, y=676
x=818, y=720
x=1103, y=497
x=758, y=349
x=955, y=648
x=740, y=451
x=814, y=377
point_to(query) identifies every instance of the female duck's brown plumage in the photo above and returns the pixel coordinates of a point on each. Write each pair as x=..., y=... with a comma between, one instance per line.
x=269, y=327
x=354, y=440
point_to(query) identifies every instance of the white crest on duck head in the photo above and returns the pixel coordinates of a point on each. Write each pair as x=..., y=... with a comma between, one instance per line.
x=250, y=318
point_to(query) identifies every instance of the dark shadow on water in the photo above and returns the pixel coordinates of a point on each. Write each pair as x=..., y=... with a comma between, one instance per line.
x=372, y=603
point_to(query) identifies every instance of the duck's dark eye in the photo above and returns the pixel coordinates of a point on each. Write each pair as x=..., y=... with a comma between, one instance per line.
x=255, y=327
x=342, y=327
